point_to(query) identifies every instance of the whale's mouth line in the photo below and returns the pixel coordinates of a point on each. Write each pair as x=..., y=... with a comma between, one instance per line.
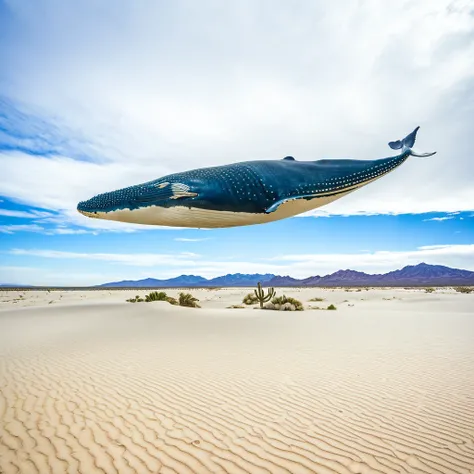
x=93, y=214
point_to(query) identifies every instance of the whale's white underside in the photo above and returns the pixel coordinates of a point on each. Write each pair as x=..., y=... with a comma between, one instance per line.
x=182, y=216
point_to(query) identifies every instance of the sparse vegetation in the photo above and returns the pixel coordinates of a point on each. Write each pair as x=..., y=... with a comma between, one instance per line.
x=236, y=306
x=429, y=290
x=464, y=289
x=187, y=299
x=285, y=303
x=137, y=299
x=260, y=294
x=317, y=299
x=250, y=298
x=154, y=296
x=330, y=307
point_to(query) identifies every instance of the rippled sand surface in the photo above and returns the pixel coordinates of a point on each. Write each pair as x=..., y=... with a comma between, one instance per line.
x=92, y=384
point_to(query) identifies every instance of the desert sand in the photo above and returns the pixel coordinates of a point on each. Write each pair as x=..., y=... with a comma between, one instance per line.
x=92, y=384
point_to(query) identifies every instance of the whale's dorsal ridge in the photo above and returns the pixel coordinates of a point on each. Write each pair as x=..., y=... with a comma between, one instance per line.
x=289, y=158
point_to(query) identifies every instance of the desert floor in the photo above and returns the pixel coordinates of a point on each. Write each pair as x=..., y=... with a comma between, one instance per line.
x=92, y=384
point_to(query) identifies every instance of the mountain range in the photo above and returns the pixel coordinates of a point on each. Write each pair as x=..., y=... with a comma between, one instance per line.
x=411, y=275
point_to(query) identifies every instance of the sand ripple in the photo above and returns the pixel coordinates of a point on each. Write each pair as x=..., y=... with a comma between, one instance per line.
x=110, y=390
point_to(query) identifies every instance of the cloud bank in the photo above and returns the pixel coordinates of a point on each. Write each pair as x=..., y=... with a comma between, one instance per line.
x=117, y=266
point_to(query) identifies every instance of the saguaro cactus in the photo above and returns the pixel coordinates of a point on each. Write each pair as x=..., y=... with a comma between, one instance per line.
x=260, y=294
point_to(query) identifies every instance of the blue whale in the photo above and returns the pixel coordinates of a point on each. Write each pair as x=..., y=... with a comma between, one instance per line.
x=244, y=193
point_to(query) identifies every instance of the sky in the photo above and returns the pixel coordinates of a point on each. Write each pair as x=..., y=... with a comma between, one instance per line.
x=99, y=95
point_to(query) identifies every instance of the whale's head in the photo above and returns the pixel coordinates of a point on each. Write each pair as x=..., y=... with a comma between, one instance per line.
x=127, y=203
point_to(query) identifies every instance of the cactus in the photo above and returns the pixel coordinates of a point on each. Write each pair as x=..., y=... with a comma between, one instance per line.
x=260, y=294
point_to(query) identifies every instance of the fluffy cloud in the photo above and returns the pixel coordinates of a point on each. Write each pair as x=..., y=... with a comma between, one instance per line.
x=138, y=260
x=131, y=92
x=441, y=219
x=11, y=229
x=24, y=214
x=38, y=229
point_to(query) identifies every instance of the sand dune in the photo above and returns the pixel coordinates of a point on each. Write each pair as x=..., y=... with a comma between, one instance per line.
x=91, y=384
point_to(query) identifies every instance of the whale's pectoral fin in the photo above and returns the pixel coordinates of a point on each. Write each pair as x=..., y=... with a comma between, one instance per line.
x=164, y=191
x=181, y=190
x=277, y=204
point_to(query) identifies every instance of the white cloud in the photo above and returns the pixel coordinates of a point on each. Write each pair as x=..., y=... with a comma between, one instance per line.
x=68, y=231
x=457, y=256
x=297, y=265
x=184, y=239
x=138, y=260
x=11, y=229
x=32, y=214
x=154, y=88
x=440, y=219
x=18, y=275
x=15, y=228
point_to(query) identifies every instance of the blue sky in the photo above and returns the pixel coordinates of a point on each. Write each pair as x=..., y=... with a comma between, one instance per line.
x=94, y=98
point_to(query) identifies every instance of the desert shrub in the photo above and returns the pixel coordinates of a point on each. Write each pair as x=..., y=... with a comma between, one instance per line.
x=464, y=289
x=236, y=306
x=156, y=296
x=186, y=299
x=429, y=290
x=285, y=303
x=137, y=299
x=331, y=307
x=316, y=299
x=249, y=299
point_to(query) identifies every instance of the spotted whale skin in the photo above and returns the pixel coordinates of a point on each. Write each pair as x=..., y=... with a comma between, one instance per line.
x=245, y=193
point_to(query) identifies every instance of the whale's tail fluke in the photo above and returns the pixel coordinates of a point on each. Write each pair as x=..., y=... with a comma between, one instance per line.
x=407, y=144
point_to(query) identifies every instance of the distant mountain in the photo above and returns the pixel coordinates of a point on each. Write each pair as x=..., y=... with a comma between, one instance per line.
x=283, y=281
x=424, y=274
x=239, y=279
x=183, y=280
x=236, y=279
x=412, y=275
